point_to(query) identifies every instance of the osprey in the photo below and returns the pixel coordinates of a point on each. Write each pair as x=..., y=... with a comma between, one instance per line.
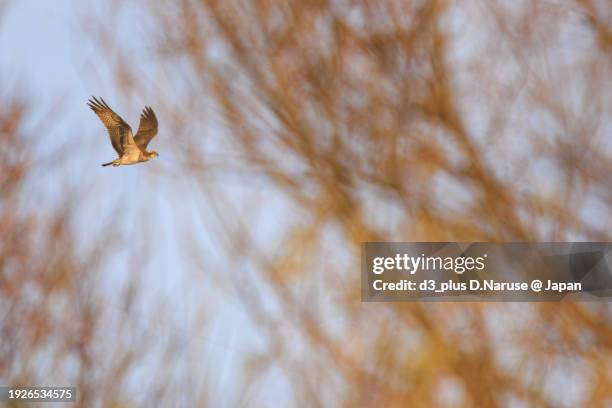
x=131, y=149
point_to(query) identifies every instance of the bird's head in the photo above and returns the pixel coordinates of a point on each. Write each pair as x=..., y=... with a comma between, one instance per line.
x=153, y=154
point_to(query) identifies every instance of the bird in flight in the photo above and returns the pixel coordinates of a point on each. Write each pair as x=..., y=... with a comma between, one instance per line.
x=131, y=149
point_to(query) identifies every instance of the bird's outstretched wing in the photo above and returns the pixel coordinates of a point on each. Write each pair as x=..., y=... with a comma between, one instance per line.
x=119, y=131
x=147, y=129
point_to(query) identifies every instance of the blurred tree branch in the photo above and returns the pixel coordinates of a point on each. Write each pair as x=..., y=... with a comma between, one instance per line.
x=391, y=120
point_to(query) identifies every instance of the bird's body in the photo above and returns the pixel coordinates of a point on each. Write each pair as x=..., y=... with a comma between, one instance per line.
x=131, y=149
x=132, y=157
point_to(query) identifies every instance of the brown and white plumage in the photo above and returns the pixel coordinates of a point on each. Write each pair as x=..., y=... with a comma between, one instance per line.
x=131, y=149
x=147, y=128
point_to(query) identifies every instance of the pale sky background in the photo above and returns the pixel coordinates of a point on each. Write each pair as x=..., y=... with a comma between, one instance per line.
x=46, y=54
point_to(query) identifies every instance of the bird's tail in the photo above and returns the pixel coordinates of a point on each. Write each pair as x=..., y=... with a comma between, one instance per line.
x=107, y=164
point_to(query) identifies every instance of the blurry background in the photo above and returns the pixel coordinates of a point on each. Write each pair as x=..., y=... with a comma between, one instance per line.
x=225, y=272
